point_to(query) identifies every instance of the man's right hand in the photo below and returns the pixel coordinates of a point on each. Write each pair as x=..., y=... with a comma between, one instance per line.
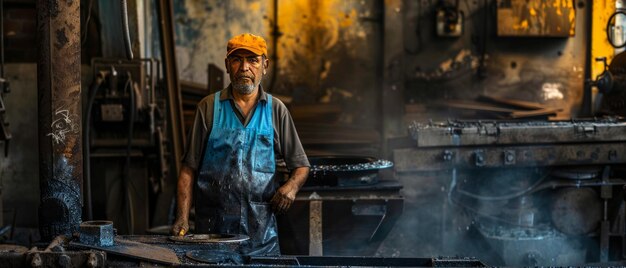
x=180, y=227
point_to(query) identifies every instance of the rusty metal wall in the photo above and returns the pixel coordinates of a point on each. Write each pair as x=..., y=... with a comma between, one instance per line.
x=538, y=69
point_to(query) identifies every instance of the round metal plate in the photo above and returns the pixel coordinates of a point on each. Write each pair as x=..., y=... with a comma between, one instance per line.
x=215, y=256
x=210, y=238
x=617, y=64
x=576, y=211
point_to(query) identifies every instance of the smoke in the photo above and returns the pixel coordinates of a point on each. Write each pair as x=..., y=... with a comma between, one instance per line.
x=500, y=216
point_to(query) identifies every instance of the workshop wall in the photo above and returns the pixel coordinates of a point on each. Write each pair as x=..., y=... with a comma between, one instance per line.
x=546, y=70
x=20, y=36
x=328, y=51
x=19, y=175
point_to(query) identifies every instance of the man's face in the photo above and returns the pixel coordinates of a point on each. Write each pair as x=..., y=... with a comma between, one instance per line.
x=246, y=70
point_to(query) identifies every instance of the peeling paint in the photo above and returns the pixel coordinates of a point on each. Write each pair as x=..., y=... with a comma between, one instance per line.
x=552, y=91
x=61, y=38
x=313, y=29
x=204, y=27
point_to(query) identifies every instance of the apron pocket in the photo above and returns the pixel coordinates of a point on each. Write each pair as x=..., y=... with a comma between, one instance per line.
x=264, y=153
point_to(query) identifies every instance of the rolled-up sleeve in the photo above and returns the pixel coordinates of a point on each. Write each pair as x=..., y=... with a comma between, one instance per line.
x=197, y=135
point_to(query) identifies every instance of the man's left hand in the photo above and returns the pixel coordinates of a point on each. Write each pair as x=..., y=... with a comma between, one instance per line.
x=283, y=198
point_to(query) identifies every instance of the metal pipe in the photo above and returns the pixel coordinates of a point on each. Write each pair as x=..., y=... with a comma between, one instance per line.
x=586, y=110
x=127, y=44
x=60, y=144
x=2, y=41
x=99, y=79
x=275, y=35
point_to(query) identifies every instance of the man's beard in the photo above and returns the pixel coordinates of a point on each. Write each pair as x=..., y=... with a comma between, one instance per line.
x=244, y=88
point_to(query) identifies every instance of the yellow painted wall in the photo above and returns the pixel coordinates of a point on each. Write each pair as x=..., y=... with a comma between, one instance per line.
x=600, y=46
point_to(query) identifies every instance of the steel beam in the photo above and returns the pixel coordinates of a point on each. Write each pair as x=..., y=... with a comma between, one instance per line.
x=60, y=138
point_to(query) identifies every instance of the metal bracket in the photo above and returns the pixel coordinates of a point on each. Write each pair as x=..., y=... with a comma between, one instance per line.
x=479, y=158
x=586, y=130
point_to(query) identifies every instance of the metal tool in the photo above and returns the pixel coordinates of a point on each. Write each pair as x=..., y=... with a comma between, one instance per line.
x=210, y=238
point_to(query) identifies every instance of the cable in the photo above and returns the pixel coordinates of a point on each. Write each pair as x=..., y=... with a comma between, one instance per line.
x=503, y=197
x=126, y=182
x=84, y=39
x=127, y=43
x=451, y=200
x=93, y=90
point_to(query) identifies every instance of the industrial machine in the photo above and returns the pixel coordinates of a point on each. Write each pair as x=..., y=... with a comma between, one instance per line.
x=347, y=207
x=125, y=137
x=611, y=86
x=536, y=193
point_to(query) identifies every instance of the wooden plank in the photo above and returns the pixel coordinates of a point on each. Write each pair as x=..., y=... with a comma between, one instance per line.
x=473, y=105
x=540, y=112
x=192, y=88
x=512, y=103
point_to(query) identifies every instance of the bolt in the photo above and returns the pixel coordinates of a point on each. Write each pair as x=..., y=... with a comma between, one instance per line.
x=36, y=261
x=92, y=261
x=65, y=261
x=479, y=158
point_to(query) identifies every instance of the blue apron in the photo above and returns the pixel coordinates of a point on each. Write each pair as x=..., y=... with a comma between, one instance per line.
x=234, y=185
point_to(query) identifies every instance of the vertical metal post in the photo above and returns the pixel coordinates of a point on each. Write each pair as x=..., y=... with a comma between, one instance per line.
x=176, y=138
x=166, y=27
x=392, y=93
x=606, y=193
x=60, y=150
x=315, y=226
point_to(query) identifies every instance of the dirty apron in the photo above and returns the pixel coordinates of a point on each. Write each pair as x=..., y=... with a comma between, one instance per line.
x=235, y=183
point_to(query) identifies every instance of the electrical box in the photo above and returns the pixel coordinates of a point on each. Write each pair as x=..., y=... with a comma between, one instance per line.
x=449, y=21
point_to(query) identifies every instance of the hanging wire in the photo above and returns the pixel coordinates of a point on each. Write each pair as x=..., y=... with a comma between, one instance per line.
x=84, y=39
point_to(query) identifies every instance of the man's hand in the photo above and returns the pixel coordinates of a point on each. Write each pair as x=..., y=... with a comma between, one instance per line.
x=283, y=198
x=180, y=227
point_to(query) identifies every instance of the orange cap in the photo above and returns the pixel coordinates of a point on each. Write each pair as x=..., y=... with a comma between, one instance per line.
x=250, y=42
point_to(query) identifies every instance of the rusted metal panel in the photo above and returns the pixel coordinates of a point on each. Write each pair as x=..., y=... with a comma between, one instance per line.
x=431, y=159
x=60, y=150
x=502, y=133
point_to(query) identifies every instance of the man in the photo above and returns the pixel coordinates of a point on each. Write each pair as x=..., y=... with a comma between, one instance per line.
x=236, y=137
